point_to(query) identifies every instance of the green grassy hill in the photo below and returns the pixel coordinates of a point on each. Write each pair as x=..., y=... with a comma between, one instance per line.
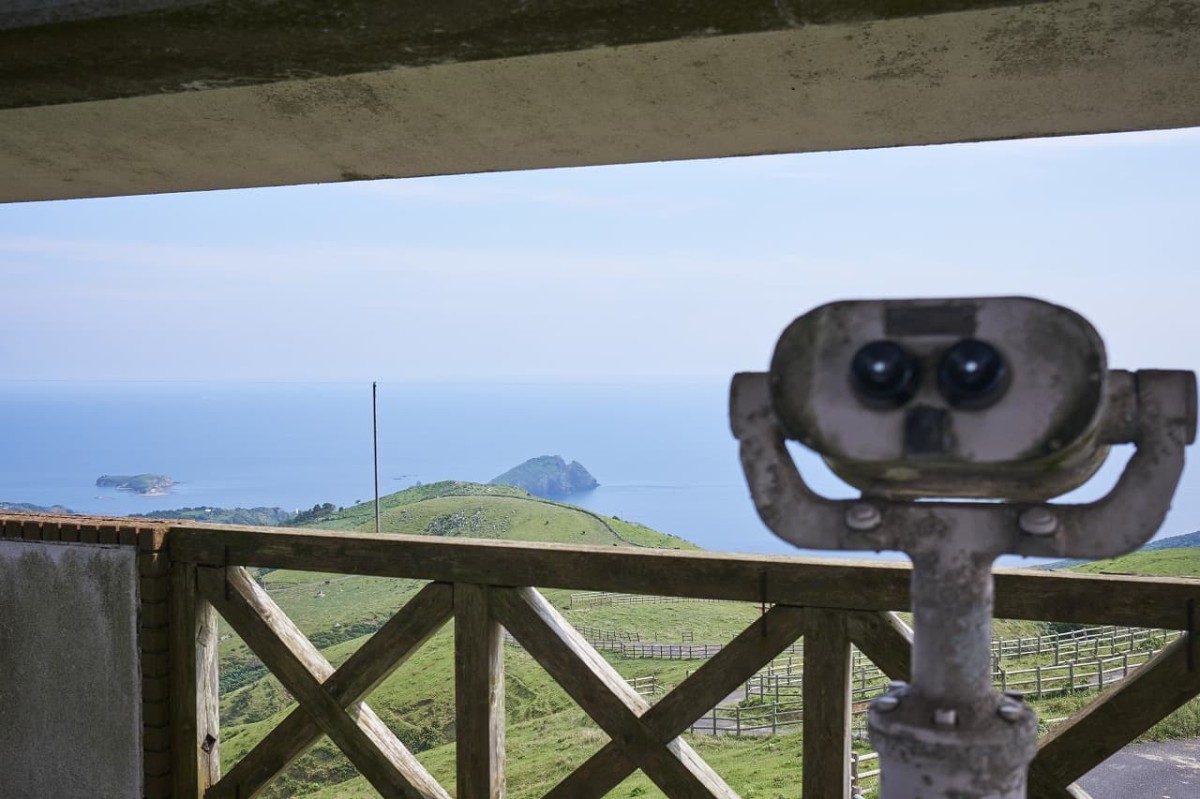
x=338, y=611
x=1184, y=562
x=547, y=734
x=473, y=510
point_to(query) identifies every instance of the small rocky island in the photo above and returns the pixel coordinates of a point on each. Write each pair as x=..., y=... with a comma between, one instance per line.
x=548, y=476
x=148, y=485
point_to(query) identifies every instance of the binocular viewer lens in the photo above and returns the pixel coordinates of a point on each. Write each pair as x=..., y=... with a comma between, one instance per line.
x=971, y=375
x=884, y=374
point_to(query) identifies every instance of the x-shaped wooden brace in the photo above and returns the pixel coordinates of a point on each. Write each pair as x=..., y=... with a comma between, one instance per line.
x=329, y=700
x=643, y=736
x=1097, y=731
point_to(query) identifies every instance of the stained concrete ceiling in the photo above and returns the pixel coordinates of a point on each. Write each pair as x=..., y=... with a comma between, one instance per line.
x=112, y=97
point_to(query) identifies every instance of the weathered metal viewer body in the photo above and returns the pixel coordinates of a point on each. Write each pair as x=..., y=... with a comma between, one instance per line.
x=1004, y=399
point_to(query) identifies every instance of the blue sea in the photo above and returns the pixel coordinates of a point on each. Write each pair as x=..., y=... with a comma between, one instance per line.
x=663, y=454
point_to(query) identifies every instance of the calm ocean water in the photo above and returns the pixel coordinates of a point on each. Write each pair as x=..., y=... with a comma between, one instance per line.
x=663, y=453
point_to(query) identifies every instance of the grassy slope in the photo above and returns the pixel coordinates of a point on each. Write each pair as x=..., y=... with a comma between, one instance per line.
x=547, y=733
x=540, y=752
x=417, y=701
x=317, y=601
x=1162, y=563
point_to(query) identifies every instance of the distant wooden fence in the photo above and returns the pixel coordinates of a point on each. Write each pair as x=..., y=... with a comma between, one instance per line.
x=646, y=685
x=585, y=599
x=1070, y=676
x=484, y=586
x=858, y=774
x=1073, y=644
x=1094, y=658
x=775, y=703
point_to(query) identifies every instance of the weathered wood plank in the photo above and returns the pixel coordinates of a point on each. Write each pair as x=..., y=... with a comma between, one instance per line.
x=604, y=695
x=1115, y=718
x=194, y=702
x=843, y=585
x=372, y=663
x=826, y=693
x=301, y=669
x=478, y=695
x=885, y=639
x=716, y=678
x=515, y=564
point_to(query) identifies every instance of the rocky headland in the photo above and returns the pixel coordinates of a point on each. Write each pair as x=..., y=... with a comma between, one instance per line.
x=548, y=476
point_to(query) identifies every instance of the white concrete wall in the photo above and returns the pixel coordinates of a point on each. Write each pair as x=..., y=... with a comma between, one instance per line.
x=70, y=679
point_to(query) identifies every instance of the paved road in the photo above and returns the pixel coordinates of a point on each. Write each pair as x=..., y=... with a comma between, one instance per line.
x=1169, y=770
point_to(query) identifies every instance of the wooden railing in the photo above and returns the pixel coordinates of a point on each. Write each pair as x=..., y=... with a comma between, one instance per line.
x=485, y=587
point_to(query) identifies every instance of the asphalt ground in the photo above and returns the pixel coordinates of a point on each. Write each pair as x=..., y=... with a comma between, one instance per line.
x=1166, y=770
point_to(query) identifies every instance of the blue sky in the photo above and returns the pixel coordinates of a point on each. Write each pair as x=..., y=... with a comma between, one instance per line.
x=644, y=272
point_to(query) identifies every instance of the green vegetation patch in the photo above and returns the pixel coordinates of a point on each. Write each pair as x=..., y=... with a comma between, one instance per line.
x=256, y=517
x=1183, y=562
x=547, y=734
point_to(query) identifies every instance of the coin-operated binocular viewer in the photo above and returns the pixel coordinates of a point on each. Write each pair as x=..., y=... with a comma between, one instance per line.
x=1005, y=399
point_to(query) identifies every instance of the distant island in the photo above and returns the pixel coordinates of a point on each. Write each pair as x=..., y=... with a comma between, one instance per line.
x=26, y=507
x=548, y=476
x=258, y=517
x=148, y=485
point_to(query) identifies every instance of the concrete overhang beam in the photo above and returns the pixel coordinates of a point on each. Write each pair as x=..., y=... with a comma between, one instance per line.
x=107, y=98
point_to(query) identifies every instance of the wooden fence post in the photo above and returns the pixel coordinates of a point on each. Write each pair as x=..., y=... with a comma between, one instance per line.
x=826, y=693
x=195, y=706
x=479, y=694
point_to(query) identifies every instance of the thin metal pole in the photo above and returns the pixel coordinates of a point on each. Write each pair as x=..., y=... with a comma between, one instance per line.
x=375, y=438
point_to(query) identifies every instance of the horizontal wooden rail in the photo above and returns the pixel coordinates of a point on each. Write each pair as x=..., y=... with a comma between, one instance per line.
x=834, y=584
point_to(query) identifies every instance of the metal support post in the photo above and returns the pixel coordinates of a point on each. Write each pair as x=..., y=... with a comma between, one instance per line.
x=949, y=734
